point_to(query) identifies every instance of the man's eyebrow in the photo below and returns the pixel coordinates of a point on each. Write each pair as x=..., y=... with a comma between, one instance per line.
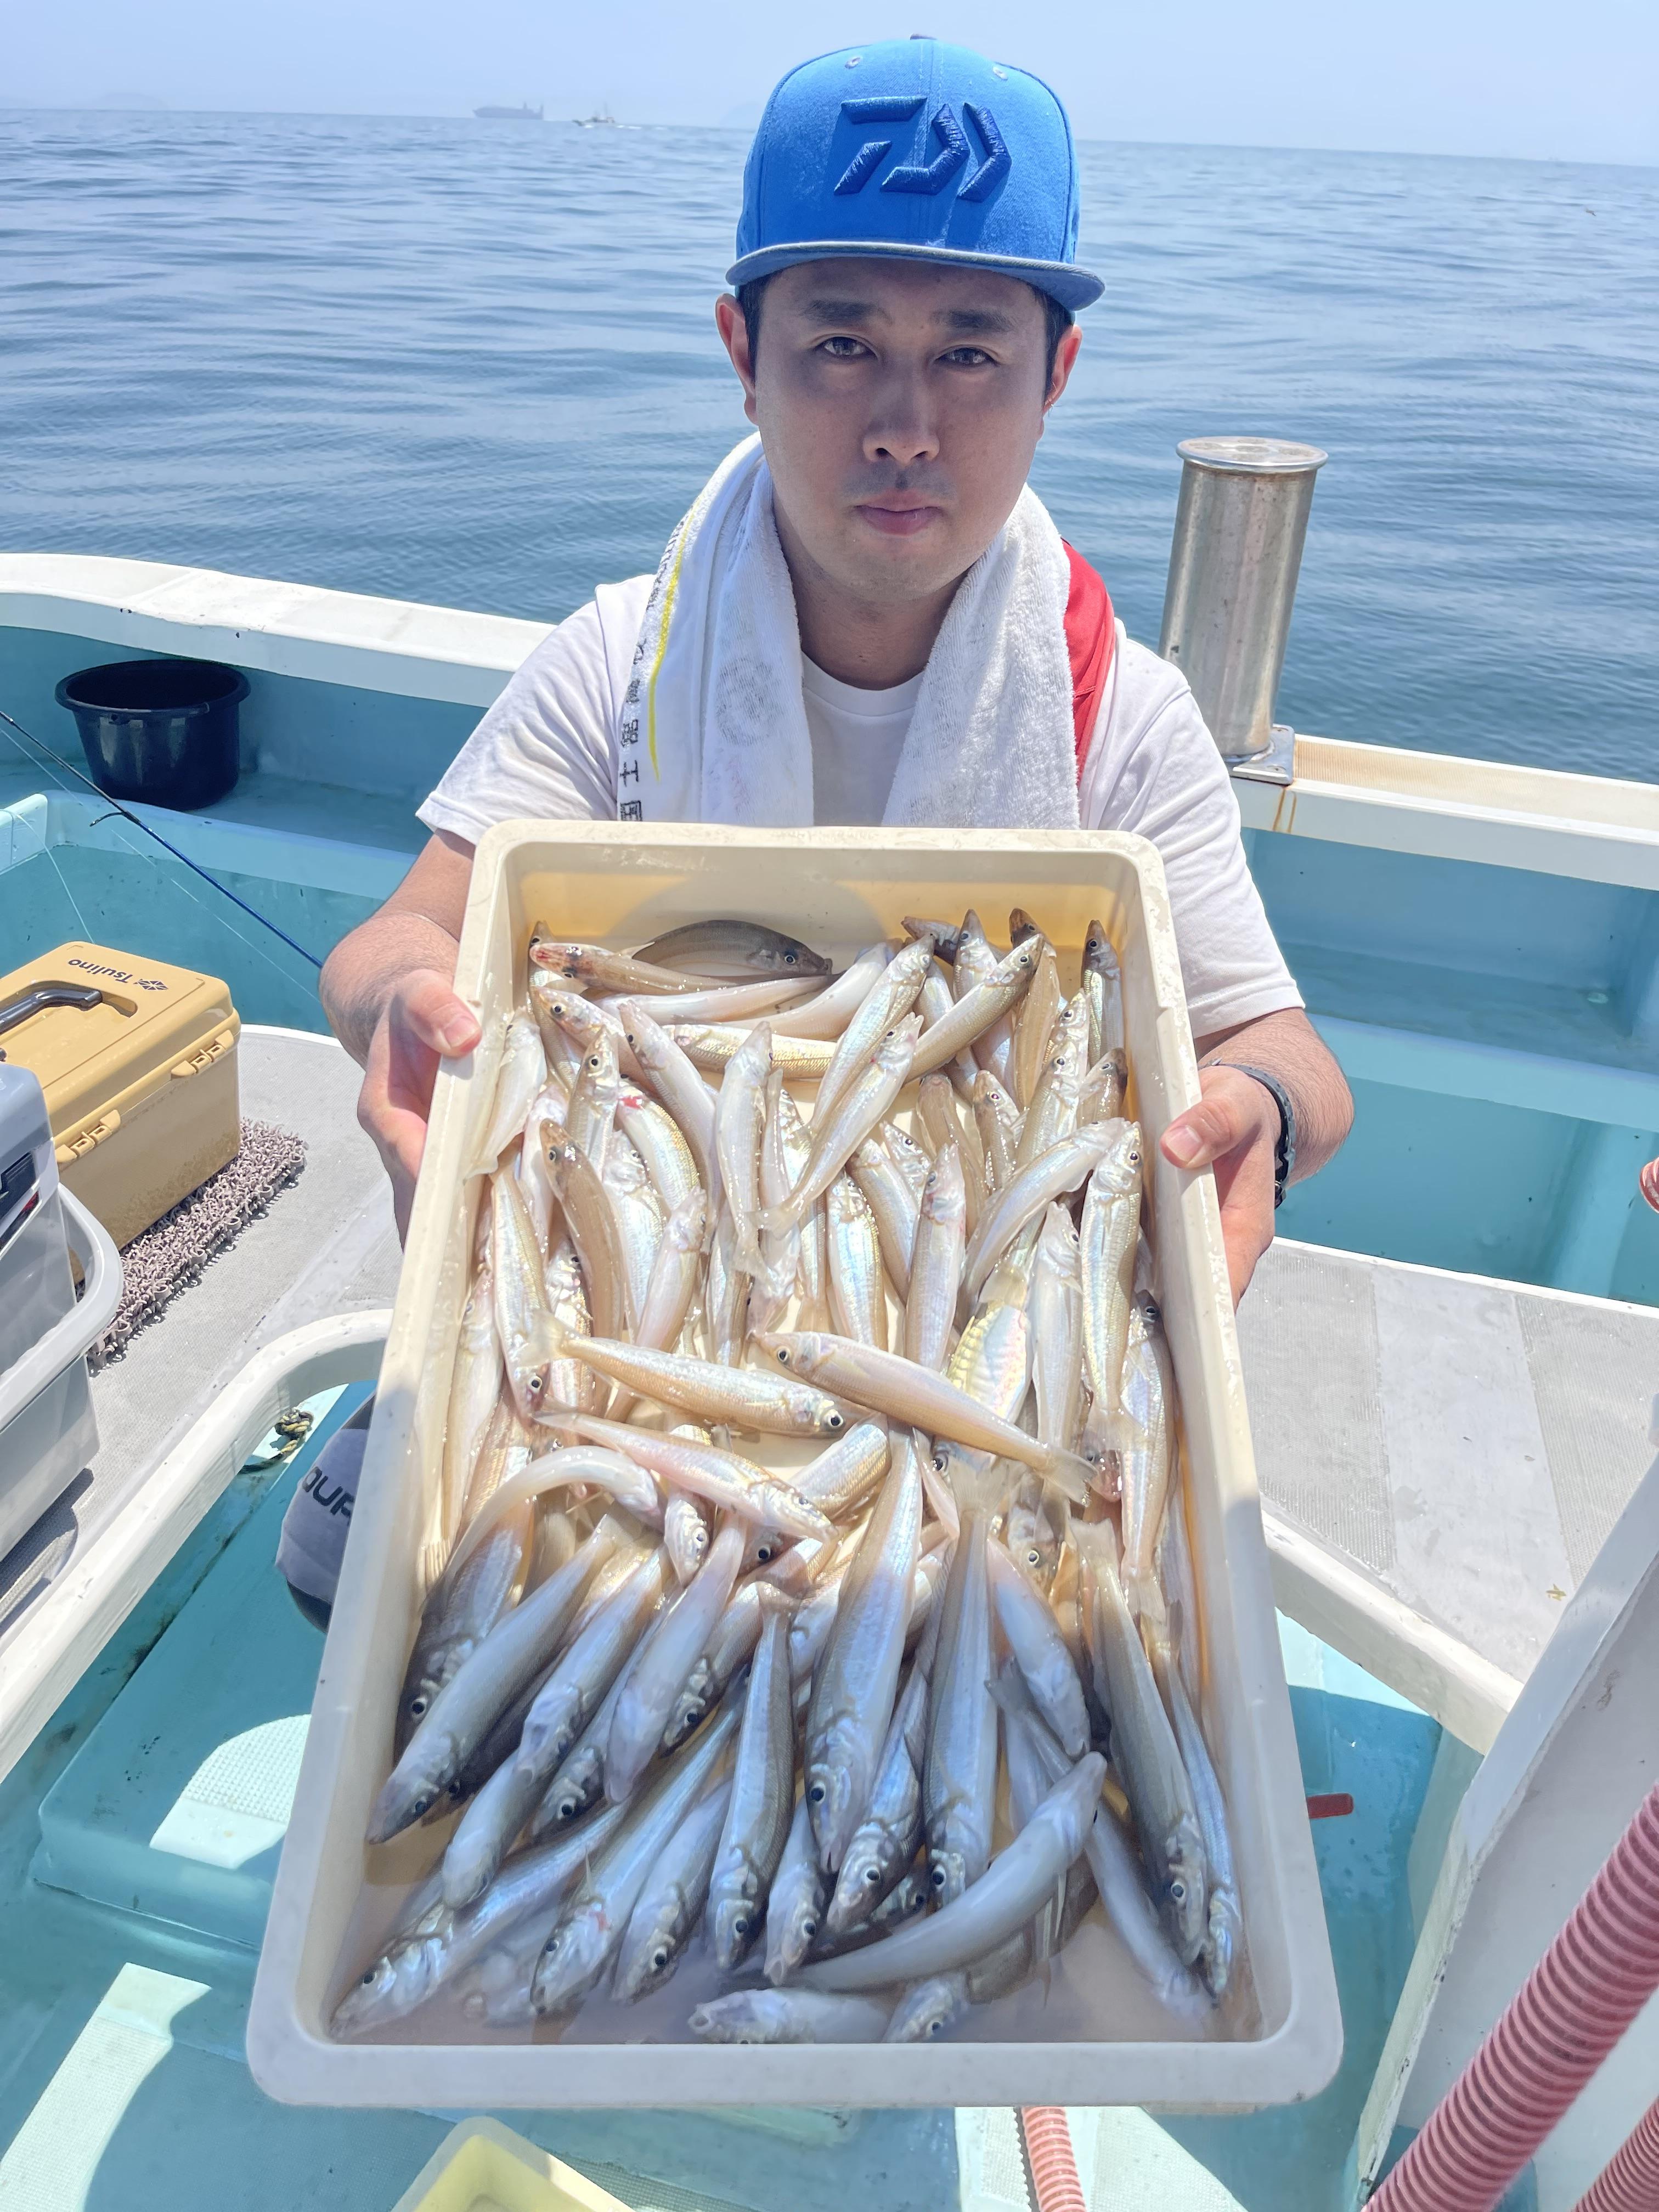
x=842, y=311
x=986, y=322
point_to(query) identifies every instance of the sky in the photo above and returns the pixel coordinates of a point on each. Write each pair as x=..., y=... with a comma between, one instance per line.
x=1525, y=78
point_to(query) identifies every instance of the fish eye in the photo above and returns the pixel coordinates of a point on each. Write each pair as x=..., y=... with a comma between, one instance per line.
x=1178, y=1893
x=1034, y=1558
x=660, y=1958
x=368, y=1979
x=936, y=1877
x=792, y=959
x=809, y=1927
x=417, y=1705
x=783, y=1356
x=873, y=1877
x=935, y=2027
x=550, y=1946
x=815, y=1794
x=740, y=1925
x=835, y=1421
x=423, y=1804
x=762, y=1552
x=939, y=1462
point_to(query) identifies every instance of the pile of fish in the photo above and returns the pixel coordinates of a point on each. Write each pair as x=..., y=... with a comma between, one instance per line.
x=811, y=1584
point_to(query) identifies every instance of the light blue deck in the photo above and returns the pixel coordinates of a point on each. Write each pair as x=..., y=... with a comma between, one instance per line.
x=125, y=1991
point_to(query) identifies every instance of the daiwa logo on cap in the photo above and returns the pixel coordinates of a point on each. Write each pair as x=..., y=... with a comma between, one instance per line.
x=940, y=155
x=932, y=176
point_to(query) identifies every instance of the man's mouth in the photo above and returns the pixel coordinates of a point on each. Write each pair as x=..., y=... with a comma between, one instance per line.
x=898, y=515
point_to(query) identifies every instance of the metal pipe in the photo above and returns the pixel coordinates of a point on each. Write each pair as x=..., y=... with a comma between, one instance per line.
x=1240, y=523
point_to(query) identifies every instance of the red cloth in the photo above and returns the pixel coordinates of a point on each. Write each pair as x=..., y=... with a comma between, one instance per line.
x=1091, y=641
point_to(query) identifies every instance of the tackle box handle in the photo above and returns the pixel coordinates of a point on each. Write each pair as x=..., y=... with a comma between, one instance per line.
x=40, y=996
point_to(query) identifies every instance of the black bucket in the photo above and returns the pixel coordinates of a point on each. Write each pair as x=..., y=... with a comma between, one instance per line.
x=162, y=731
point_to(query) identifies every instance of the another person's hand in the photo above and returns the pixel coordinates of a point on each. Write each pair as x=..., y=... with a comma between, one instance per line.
x=1235, y=1129
x=422, y=1023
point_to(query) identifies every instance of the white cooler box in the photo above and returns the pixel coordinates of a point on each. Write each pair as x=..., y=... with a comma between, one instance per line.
x=47, y=1432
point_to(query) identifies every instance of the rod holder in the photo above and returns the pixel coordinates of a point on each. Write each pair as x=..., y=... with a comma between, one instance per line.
x=1239, y=527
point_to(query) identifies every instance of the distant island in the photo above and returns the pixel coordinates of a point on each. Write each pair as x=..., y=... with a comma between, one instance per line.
x=509, y=114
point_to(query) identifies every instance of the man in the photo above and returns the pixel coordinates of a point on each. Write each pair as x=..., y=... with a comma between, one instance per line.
x=868, y=617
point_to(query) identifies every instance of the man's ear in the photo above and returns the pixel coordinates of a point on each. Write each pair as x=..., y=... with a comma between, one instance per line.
x=1066, y=355
x=729, y=321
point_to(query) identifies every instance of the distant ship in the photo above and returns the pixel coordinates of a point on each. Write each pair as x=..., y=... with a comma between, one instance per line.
x=606, y=121
x=509, y=114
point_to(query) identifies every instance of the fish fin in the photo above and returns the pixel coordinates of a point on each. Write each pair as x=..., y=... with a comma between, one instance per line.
x=973, y=1487
x=1097, y=1542
x=1076, y=1478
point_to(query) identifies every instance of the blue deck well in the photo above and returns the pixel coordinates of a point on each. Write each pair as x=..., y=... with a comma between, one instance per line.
x=125, y=1984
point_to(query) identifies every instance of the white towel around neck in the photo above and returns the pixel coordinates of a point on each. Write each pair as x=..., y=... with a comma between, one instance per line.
x=714, y=725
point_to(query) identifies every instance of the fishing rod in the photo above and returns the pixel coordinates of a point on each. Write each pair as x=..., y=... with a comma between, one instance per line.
x=127, y=815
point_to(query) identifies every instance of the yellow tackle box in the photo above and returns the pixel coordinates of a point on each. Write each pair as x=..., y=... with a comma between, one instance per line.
x=138, y=1063
x=482, y=2167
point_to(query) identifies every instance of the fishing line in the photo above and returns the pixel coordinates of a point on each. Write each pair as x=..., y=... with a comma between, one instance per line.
x=224, y=889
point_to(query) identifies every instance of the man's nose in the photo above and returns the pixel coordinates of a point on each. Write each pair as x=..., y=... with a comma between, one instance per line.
x=901, y=430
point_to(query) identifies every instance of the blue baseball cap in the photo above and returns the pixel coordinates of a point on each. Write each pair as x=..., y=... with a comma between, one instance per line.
x=914, y=151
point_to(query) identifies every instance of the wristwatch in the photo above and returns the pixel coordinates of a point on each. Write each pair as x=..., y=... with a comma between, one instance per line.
x=1285, y=1150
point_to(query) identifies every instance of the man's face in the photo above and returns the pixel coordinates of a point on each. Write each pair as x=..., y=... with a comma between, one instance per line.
x=900, y=406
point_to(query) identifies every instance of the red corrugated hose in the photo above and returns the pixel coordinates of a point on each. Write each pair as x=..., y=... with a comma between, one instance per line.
x=1561, y=2023
x=1049, y=2160
x=1630, y=2182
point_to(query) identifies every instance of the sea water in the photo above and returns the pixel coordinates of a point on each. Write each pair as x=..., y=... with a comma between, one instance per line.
x=475, y=364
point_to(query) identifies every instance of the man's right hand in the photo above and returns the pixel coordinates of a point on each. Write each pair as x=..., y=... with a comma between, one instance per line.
x=422, y=1022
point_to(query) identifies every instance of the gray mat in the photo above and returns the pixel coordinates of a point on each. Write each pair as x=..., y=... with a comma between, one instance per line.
x=171, y=1254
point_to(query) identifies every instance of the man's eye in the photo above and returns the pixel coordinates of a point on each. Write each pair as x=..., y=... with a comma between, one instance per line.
x=842, y=349
x=966, y=357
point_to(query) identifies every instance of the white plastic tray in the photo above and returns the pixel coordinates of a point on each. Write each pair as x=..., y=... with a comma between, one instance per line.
x=1095, y=2037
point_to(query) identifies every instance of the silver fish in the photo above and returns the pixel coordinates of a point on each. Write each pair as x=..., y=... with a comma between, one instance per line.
x=520, y=1074
x=857, y=1680
x=928, y=2009
x=936, y=1001
x=1103, y=986
x=1051, y=1117
x=591, y=1220
x=713, y=1045
x=1034, y=1189
x=827, y=1014
x=582, y=1024
x=743, y=948
x=639, y=1216
x=725, y=1480
x=679, y=1087
x=524, y=1327
x=671, y=1286
x=655, y=1134
x=1040, y=1651
x=1056, y=1309
x=685, y=1533
x=858, y=1300
x=587, y=1669
x=938, y=1115
x=791, y=2015
x=762, y=1797
x=1034, y=1028
x=863, y=1101
x=613, y=971
x=738, y=1117
x=621, y=1477
x=1224, y=1934
x=794, y=1910
x=460, y=1612
x=974, y=1014
x=890, y=1384
x=996, y=1119
x=1100, y=1095
x=895, y=1208
x=958, y=1782
x=433, y=1945
x=1147, y=1756
x=563, y=1049
x=889, y=1000
x=884, y=1842
x=475, y=1852
x=1146, y=1447
x=571, y=1387
x=591, y=1113
x=463, y=1709
x=586, y=1938
x=550, y=1103
x=936, y=1267
x=743, y=1397
x=579, y=1780
x=663, y=1658
x=672, y=1902
x=1002, y=1899
x=1110, y=1225
x=474, y=1385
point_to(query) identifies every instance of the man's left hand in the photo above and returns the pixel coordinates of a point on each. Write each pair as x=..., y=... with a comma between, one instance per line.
x=1235, y=1129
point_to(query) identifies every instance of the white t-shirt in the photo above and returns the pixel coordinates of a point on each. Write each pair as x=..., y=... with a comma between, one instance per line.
x=548, y=748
